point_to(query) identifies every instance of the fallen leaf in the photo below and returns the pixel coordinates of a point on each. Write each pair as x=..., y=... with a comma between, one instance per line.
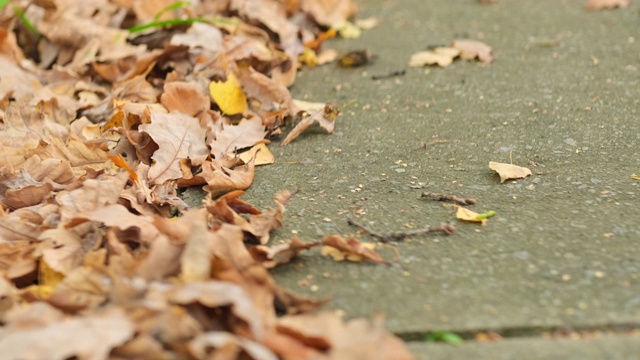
x=185, y=97
x=605, y=4
x=272, y=256
x=94, y=336
x=179, y=136
x=350, y=249
x=260, y=152
x=228, y=95
x=235, y=137
x=468, y=215
x=441, y=56
x=471, y=49
x=326, y=117
x=509, y=171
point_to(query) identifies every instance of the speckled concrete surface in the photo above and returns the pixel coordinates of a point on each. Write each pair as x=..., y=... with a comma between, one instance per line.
x=562, y=97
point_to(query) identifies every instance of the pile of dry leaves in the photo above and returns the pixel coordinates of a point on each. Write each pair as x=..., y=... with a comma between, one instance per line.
x=108, y=107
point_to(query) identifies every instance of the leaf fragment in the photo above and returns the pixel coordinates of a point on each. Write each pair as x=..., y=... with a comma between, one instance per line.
x=509, y=171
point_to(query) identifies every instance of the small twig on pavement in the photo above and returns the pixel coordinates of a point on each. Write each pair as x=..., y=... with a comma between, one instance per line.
x=426, y=145
x=451, y=198
x=447, y=229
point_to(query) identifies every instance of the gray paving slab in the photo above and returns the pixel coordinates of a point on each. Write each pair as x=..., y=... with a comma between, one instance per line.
x=604, y=348
x=562, y=94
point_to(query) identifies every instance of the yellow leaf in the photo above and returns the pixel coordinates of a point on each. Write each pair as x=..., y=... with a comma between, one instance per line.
x=260, y=151
x=468, y=215
x=228, y=95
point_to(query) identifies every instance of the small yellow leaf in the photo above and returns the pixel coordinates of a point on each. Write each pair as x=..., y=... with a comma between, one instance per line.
x=228, y=95
x=465, y=214
x=260, y=151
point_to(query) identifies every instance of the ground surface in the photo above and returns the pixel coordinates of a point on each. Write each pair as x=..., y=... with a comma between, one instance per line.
x=562, y=251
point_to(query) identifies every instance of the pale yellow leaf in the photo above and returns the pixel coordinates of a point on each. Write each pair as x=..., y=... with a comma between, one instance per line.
x=261, y=152
x=468, y=215
x=509, y=171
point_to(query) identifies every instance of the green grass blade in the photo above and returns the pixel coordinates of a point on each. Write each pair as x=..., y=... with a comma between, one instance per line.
x=172, y=22
x=174, y=6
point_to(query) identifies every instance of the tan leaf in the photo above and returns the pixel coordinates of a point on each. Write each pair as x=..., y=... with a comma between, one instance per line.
x=93, y=194
x=509, y=171
x=18, y=259
x=92, y=336
x=235, y=137
x=224, y=343
x=471, y=49
x=179, y=136
x=325, y=117
x=270, y=95
x=263, y=224
x=329, y=12
x=117, y=216
x=222, y=180
x=272, y=256
x=185, y=97
x=441, y=56
x=355, y=339
x=195, y=261
x=215, y=294
x=64, y=250
x=605, y=4
x=350, y=248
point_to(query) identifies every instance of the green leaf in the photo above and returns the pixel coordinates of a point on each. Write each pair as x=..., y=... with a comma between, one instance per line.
x=444, y=336
x=4, y=3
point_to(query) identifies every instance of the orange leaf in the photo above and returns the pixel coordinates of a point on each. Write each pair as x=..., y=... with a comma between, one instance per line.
x=120, y=162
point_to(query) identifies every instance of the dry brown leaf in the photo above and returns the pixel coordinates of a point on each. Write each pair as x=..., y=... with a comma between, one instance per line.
x=329, y=12
x=272, y=256
x=235, y=137
x=184, y=97
x=93, y=337
x=179, y=136
x=605, y=4
x=221, y=180
x=509, y=171
x=356, y=339
x=325, y=117
x=471, y=49
x=227, y=346
x=263, y=224
x=350, y=248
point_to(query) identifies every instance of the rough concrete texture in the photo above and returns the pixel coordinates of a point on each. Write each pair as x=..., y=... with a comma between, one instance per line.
x=605, y=348
x=562, y=97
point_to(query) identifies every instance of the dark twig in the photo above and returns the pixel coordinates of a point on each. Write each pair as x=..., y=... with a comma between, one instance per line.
x=450, y=198
x=447, y=229
x=389, y=75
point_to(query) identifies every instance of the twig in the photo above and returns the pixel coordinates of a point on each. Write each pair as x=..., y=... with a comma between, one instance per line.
x=447, y=229
x=451, y=198
x=434, y=142
x=389, y=75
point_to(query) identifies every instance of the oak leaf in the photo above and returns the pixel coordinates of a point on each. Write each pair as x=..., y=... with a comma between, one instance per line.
x=178, y=136
x=235, y=137
x=185, y=97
